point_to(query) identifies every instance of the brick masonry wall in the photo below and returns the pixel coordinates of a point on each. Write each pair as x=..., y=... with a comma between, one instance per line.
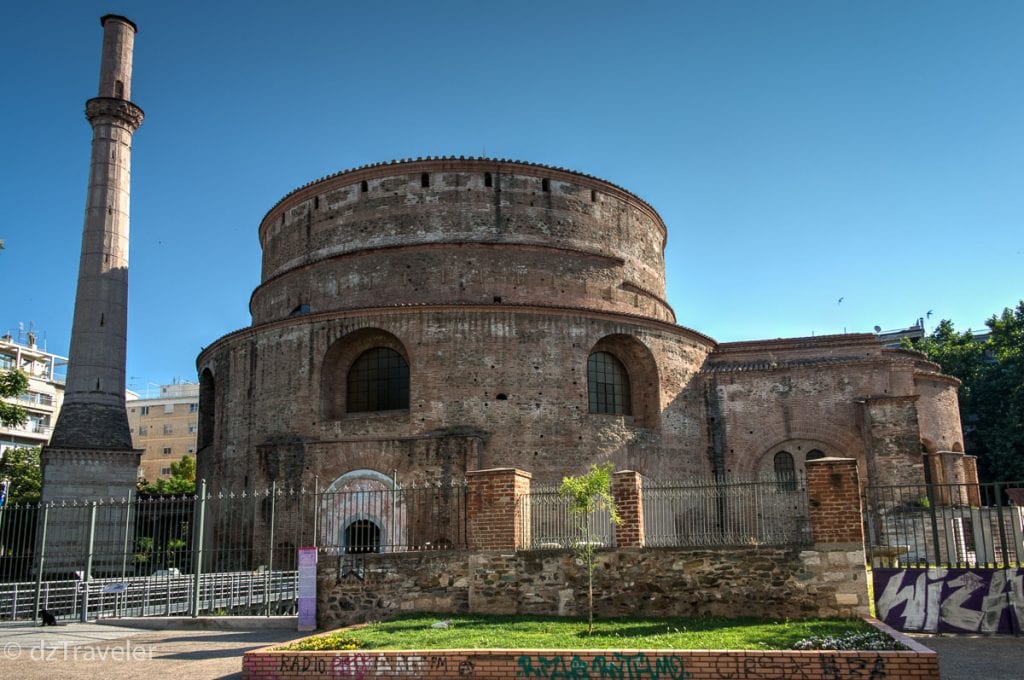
x=515, y=378
x=496, y=293
x=493, y=508
x=349, y=241
x=834, y=501
x=627, y=489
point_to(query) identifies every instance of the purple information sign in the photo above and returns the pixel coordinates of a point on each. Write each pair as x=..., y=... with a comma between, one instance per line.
x=307, y=589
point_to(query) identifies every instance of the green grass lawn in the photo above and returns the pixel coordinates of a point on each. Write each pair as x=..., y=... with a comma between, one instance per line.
x=543, y=632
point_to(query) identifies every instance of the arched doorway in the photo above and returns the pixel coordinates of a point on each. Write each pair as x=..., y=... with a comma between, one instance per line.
x=363, y=512
x=362, y=536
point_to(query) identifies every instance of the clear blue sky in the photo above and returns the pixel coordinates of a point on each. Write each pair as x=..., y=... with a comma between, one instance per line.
x=799, y=152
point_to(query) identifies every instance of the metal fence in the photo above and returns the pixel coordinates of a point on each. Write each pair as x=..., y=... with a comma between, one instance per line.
x=685, y=513
x=225, y=553
x=546, y=522
x=726, y=511
x=952, y=525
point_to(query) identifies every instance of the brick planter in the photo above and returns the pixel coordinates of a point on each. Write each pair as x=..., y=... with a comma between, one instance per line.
x=915, y=663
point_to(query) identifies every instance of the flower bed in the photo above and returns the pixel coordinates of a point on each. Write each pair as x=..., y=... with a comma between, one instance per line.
x=914, y=663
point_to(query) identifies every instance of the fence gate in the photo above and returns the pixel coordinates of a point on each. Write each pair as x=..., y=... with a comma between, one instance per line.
x=947, y=557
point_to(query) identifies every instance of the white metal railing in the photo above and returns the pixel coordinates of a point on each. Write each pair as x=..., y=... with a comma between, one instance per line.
x=224, y=592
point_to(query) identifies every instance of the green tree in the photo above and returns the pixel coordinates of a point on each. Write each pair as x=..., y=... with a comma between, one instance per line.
x=992, y=389
x=21, y=468
x=588, y=494
x=12, y=383
x=183, y=479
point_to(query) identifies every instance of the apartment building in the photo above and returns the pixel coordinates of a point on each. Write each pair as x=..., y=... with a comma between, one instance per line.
x=164, y=426
x=45, y=393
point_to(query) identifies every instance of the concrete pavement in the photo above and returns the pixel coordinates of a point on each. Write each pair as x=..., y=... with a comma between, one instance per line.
x=89, y=650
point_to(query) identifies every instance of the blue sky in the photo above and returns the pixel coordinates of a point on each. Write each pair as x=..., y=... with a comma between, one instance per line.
x=799, y=152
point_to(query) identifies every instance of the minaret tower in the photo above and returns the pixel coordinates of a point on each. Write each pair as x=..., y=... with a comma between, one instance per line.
x=90, y=453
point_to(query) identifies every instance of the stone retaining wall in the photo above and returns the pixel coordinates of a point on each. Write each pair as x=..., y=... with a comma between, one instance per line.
x=740, y=581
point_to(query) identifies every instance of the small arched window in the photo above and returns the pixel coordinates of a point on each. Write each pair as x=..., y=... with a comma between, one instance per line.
x=608, y=385
x=488, y=181
x=425, y=180
x=785, y=471
x=378, y=381
x=362, y=536
x=815, y=454
x=545, y=184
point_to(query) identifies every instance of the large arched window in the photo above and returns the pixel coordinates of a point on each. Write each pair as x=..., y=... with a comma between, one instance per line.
x=378, y=381
x=608, y=385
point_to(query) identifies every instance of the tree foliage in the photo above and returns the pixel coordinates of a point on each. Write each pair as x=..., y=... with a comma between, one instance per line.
x=183, y=479
x=992, y=393
x=21, y=467
x=588, y=494
x=12, y=383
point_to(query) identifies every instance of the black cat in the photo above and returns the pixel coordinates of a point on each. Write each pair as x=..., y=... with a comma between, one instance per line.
x=48, y=618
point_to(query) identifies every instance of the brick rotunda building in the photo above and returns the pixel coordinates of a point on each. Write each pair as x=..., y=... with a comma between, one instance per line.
x=431, y=317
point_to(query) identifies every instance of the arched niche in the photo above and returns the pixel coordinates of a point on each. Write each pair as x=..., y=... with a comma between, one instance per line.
x=339, y=360
x=642, y=372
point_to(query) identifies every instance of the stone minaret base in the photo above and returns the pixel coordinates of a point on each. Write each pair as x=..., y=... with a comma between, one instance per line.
x=76, y=481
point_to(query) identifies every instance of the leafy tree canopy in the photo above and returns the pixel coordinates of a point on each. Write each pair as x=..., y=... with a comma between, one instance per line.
x=183, y=479
x=992, y=393
x=21, y=468
x=12, y=383
x=587, y=494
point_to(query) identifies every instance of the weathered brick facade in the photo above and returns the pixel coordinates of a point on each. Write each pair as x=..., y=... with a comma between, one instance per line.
x=495, y=281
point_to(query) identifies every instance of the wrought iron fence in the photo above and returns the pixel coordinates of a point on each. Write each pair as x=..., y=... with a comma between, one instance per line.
x=546, y=522
x=953, y=525
x=694, y=513
x=726, y=511
x=207, y=552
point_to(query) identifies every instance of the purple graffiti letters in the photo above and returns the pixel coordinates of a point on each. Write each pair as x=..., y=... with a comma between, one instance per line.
x=951, y=600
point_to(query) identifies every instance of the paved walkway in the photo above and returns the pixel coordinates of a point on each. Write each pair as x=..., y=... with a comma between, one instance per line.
x=88, y=650
x=977, y=657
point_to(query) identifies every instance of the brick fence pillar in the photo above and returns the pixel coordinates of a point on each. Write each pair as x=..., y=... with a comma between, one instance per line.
x=495, y=518
x=833, y=495
x=835, y=564
x=627, y=489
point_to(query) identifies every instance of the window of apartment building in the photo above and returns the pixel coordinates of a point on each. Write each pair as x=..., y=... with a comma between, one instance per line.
x=6, y=362
x=167, y=450
x=193, y=408
x=168, y=408
x=38, y=424
x=168, y=429
x=143, y=410
x=143, y=431
x=192, y=427
x=165, y=470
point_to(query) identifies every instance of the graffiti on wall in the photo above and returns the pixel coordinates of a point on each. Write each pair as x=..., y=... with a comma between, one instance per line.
x=939, y=600
x=615, y=665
